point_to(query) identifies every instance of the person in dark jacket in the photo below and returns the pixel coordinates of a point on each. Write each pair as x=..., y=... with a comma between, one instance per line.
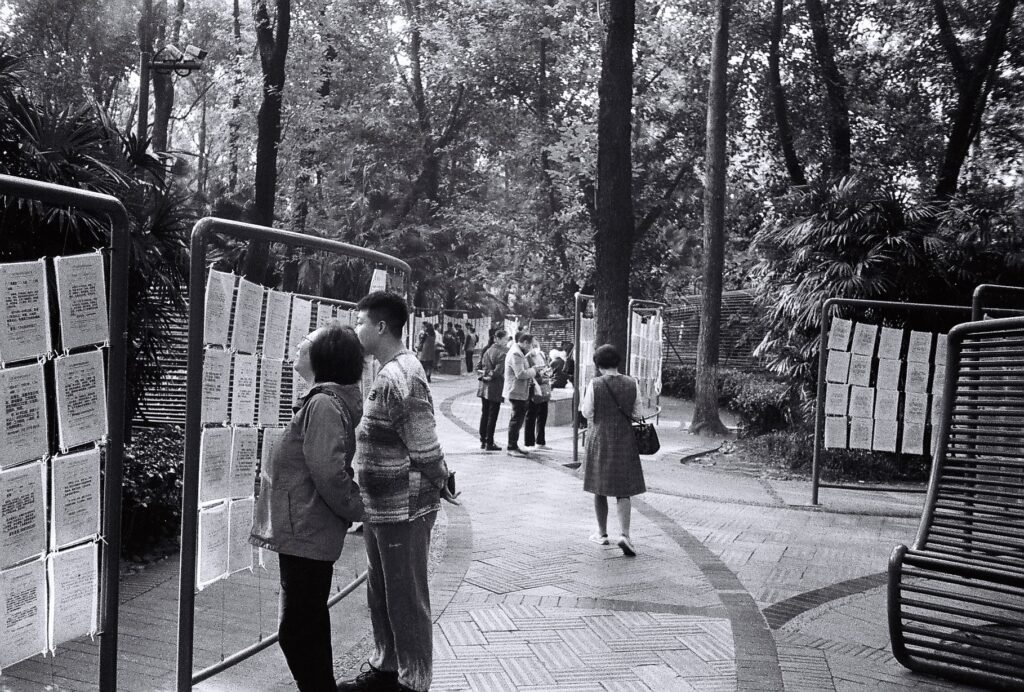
x=427, y=349
x=492, y=381
x=308, y=499
x=470, y=346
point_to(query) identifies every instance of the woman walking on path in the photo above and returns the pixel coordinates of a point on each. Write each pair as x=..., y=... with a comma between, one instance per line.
x=611, y=461
x=540, y=395
x=427, y=349
x=308, y=500
x=492, y=381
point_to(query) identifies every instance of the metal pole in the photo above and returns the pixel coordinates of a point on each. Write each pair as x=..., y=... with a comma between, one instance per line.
x=145, y=59
x=819, y=415
x=576, y=380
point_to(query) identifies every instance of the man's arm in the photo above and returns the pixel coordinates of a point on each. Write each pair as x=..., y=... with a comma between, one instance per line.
x=521, y=372
x=413, y=418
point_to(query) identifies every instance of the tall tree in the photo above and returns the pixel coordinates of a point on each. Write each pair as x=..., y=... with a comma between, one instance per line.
x=837, y=110
x=613, y=241
x=777, y=94
x=705, y=413
x=163, y=85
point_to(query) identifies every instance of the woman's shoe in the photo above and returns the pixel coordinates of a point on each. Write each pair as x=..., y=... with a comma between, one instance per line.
x=627, y=547
x=491, y=447
x=599, y=538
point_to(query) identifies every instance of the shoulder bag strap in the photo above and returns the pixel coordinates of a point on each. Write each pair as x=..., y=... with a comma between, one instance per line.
x=631, y=419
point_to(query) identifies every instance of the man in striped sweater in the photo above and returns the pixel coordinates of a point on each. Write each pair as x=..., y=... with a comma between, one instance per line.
x=403, y=476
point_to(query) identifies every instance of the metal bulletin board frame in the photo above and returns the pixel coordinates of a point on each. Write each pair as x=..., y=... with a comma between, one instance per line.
x=827, y=309
x=650, y=306
x=119, y=248
x=201, y=233
x=578, y=300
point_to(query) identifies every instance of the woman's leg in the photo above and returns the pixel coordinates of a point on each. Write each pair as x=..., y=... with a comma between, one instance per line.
x=542, y=421
x=601, y=510
x=531, y=424
x=623, y=507
x=304, y=633
x=484, y=416
x=428, y=367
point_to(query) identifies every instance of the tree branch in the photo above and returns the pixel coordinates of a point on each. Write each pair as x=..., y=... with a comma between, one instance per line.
x=949, y=43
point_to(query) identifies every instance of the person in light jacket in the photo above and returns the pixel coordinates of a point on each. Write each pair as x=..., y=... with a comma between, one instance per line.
x=519, y=375
x=427, y=349
x=308, y=499
x=491, y=376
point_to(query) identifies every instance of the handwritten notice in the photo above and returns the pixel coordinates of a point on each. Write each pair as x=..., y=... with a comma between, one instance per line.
x=917, y=376
x=913, y=438
x=81, y=398
x=275, y=327
x=271, y=438
x=887, y=404
x=22, y=513
x=324, y=315
x=243, y=390
x=212, y=563
x=302, y=311
x=862, y=402
x=915, y=407
x=242, y=476
x=890, y=343
x=836, y=399
x=864, y=336
x=839, y=334
x=82, y=297
x=861, y=433
x=860, y=370
x=837, y=367
x=239, y=529
x=214, y=464
x=75, y=505
x=920, y=349
x=938, y=379
x=216, y=372
x=23, y=621
x=835, y=432
x=24, y=432
x=73, y=577
x=24, y=311
x=248, y=310
x=884, y=438
x=379, y=280
x=889, y=371
x=270, y=391
x=941, y=349
x=220, y=288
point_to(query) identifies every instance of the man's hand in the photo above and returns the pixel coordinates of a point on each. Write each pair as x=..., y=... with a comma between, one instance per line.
x=449, y=497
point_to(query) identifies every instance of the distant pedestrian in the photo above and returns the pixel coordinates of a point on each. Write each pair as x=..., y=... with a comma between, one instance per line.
x=470, y=346
x=492, y=381
x=451, y=342
x=540, y=395
x=519, y=375
x=460, y=338
x=611, y=461
x=426, y=350
x=308, y=499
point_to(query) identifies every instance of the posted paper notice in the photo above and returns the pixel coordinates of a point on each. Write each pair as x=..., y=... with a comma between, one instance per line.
x=243, y=390
x=75, y=509
x=24, y=432
x=220, y=289
x=24, y=311
x=214, y=464
x=837, y=367
x=835, y=432
x=212, y=563
x=242, y=476
x=839, y=334
x=22, y=513
x=73, y=577
x=240, y=527
x=302, y=311
x=82, y=297
x=81, y=398
x=275, y=327
x=248, y=310
x=216, y=374
x=23, y=626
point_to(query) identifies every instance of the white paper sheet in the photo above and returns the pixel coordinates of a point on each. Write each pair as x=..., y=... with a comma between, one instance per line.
x=887, y=404
x=884, y=438
x=270, y=391
x=214, y=464
x=913, y=438
x=73, y=577
x=862, y=402
x=860, y=370
x=271, y=438
x=861, y=433
x=220, y=289
x=248, y=310
x=302, y=311
x=864, y=336
x=839, y=334
x=212, y=558
x=240, y=527
x=75, y=491
x=24, y=311
x=275, y=326
x=920, y=349
x=917, y=376
x=82, y=297
x=243, y=389
x=837, y=398
x=379, y=280
x=216, y=375
x=889, y=371
x=24, y=432
x=23, y=625
x=22, y=513
x=324, y=314
x=890, y=343
x=835, y=432
x=837, y=367
x=81, y=398
x=242, y=476
x=941, y=347
x=938, y=379
x=915, y=407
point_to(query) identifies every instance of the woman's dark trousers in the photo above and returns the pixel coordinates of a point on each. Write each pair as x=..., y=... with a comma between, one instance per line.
x=305, y=628
x=514, y=425
x=536, y=419
x=488, y=420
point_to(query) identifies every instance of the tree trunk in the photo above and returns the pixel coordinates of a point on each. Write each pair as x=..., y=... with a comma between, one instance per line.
x=973, y=89
x=613, y=241
x=835, y=90
x=706, y=419
x=236, y=100
x=163, y=87
x=273, y=52
x=204, y=158
x=778, y=99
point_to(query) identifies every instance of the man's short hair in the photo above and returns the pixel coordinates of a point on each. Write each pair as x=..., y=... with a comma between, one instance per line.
x=336, y=355
x=387, y=307
x=523, y=336
x=500, y=334
x=607, y=356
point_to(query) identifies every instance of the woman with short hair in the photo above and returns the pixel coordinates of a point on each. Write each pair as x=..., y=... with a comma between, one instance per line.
x=611, y=461
x=308, y=499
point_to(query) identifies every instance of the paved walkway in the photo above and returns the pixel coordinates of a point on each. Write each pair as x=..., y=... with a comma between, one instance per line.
x=738, y=584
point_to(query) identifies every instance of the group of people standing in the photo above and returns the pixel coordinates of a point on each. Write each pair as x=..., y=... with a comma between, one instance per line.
x=455, y=341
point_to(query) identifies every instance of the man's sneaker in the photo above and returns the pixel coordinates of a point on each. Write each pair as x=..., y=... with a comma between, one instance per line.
x=371, y=680
x=627, y=548
x=599, y=538
x=492, y=448
x=516, y=451
x=541, y=445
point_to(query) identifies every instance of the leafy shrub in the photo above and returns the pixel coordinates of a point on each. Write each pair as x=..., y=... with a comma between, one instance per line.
x=151, y=489
x=762, y=402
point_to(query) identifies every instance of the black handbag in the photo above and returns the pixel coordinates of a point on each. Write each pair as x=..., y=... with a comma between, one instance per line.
x=644, y=433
